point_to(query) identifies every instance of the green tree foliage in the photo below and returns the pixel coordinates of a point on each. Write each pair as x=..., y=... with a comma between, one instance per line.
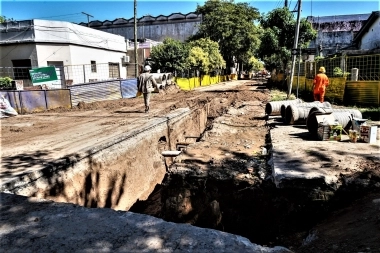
x=211, y=48
x=277, y=40
x=170, y=56
x=231, y=25
x=5, y=19
x=254, y=64
x=199, y=59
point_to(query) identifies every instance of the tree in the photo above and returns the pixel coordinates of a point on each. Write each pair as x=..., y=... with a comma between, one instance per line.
x=170, y=56
x=277, y=40
x=231, y=25
x=211, y=48
x=4, y=19
x=254, y=64
x=199, y=59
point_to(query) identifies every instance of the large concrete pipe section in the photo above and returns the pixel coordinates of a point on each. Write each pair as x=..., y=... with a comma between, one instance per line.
x=273, y=108
x=341, y=116
x=162, y=79
x=298, y=113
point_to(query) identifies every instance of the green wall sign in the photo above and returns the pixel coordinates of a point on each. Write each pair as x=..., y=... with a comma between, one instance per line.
x=41, y=75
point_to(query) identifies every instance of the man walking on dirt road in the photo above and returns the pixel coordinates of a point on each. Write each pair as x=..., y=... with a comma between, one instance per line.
x=145, y=85
x=320, y=83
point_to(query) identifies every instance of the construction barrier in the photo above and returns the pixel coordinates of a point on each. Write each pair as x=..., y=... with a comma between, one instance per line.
x=29, y=101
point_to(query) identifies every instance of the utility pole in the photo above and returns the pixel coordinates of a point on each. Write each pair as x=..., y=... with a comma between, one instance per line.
x=286, y=3
x=295, y=46
x=135, y=32
x=88, y=19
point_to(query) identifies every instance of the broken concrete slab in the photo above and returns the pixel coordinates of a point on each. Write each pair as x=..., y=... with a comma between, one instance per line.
x=301, y=162
x=45, y=226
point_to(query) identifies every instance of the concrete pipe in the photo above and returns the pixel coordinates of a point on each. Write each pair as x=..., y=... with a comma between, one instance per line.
x=342, y=117
x=158, y=77
x=307, y=104
x=273, y=108
x=300, y=112
x=355, y=113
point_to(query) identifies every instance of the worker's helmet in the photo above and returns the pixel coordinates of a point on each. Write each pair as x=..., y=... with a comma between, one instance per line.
x=322, y=69
x=147, y=68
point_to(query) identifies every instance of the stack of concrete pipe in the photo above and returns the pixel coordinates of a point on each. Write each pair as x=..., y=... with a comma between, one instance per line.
x=273, y=108
x=298, y=113
x=342, y=116
x=162, y=79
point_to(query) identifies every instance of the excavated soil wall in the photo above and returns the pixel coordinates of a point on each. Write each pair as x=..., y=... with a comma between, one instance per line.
x=116, y=173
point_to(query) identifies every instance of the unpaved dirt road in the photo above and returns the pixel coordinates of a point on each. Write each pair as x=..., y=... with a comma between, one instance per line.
x=28, y=140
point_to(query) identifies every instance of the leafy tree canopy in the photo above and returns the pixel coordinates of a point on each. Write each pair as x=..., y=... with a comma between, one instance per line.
x=5, y=19
x=211, y=48
x=231, y=25
x=277, y=40
x=255, y=64
x=170, y=56
x=199, y=59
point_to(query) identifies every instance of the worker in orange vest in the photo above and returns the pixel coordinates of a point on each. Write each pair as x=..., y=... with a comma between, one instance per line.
x=320, y=83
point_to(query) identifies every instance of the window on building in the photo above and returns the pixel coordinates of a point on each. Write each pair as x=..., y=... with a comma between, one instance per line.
x=21, y=69
x=93, y=66
x=114, y=70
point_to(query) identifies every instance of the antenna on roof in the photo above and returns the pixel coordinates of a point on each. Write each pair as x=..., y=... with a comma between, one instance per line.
x=88, y=19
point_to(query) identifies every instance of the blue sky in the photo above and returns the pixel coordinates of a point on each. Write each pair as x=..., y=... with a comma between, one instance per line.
x=111, y=10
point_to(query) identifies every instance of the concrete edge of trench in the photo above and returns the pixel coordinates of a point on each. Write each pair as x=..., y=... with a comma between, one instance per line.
x=67, y=227
x=43, y=226
x=69, y=159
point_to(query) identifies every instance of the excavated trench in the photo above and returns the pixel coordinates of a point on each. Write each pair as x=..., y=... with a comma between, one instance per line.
x=129, y=173
x=255, y=209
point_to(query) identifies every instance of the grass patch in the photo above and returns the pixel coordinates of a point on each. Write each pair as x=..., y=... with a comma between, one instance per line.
x=371, y=113
x=277, y=95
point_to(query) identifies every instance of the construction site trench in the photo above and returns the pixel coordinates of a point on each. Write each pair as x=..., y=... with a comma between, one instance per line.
x=203, y=158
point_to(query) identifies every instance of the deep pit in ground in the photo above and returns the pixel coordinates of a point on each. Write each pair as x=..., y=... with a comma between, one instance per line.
x=238, y=196
x=220, y=181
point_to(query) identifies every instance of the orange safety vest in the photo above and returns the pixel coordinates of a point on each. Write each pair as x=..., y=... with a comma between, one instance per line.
x=320, y=82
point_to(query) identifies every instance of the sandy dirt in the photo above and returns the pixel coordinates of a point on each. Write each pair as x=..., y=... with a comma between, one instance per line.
x=42, y=136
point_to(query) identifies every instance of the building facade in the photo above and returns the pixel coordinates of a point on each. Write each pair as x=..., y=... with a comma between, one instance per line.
x=368, y=37
x=177, y=26
x=335, y=32
x=81, y=54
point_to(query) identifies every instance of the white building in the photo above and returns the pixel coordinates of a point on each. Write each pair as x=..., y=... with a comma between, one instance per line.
x=81, y=53
x=368, y=37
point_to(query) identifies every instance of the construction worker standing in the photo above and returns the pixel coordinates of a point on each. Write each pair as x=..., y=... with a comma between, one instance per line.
x=320, y=83
x=145, y=85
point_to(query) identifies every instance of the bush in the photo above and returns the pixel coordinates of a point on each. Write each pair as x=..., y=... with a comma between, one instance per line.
x=339, y=72
x=5, y=82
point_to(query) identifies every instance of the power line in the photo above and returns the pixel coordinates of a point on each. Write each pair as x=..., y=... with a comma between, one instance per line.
x=65, y=15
